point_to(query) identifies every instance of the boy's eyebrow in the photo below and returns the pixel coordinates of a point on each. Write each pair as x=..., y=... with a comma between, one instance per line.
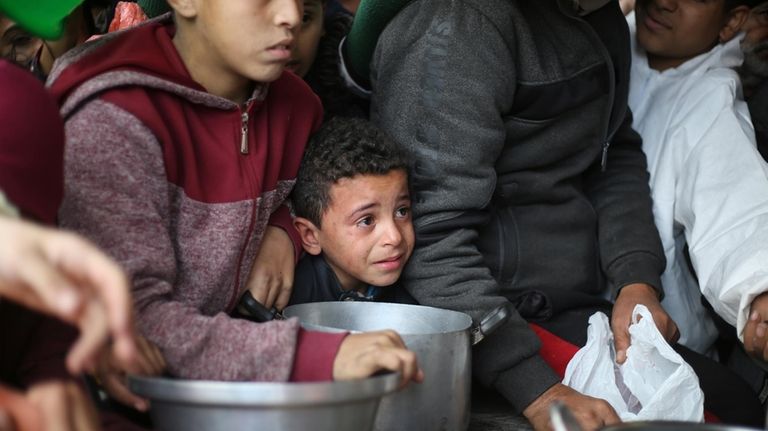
x=362, y=208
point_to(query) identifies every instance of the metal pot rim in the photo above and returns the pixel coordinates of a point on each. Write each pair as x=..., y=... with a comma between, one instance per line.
x=462, y=322
x=262, y=394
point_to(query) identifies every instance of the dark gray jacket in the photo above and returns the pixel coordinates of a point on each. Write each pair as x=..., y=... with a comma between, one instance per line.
x=509, y=109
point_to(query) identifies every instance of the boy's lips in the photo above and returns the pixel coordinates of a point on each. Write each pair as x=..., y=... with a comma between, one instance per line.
x=390, y=263
x=282, y=51
x=654, y=23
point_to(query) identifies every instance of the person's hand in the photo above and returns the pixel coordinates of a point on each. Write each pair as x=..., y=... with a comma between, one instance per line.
x=61, y=274
x=271, y=277
x=621, y=317
x=50, y=406
x=756, y=329
x=362, y=355
x=591, y=413
x=111, y=376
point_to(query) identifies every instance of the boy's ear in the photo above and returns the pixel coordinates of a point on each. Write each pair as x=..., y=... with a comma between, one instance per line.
x=309, y=234
x=733, y=22
x=184, y=8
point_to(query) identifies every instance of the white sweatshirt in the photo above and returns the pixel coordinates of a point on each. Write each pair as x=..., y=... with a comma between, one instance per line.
x=709, y=186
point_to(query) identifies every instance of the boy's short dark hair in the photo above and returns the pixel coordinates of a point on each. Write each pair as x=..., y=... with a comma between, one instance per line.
x=342, y=148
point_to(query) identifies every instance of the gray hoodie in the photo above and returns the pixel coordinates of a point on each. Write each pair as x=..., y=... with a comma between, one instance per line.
x=528, y=180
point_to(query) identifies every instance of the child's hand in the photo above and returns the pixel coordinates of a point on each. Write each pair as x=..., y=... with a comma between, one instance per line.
x=362, y=355
x=271, y=278
x=111, y=376
x=756, y=329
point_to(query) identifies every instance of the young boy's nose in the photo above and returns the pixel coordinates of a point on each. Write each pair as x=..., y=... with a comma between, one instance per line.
x=392, y=234
x=288, y=13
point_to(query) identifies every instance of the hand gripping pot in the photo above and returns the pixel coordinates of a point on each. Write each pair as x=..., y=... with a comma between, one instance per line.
x=442, y=341
x=192, y=405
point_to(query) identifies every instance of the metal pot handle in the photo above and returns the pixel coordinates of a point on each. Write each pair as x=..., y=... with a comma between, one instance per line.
x=495, y=318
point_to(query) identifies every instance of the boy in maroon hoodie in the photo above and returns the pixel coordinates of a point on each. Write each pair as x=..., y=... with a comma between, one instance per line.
x=184, y=137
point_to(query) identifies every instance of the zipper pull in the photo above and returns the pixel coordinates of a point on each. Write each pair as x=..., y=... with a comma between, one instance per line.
x=604, y=158
x=244, y=133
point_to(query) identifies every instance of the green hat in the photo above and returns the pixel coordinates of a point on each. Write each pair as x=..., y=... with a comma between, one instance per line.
x=154, y=8
x=41, y=17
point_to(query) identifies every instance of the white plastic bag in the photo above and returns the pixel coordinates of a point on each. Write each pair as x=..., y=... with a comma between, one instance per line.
x=654, y=383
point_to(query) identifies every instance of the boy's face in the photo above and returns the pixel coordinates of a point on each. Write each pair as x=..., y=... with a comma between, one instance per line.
x=305, y=48
x=251, y=39
x=367, y=232
x=674, y=31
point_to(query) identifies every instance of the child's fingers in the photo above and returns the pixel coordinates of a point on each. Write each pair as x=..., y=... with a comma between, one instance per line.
x=274, y=283
x=284, y=294
x=155, y=363
x=93, y=335
x=115, y=386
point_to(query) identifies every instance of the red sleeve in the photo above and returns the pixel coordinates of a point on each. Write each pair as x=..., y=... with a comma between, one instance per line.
x=315, y=353
x=282, y=219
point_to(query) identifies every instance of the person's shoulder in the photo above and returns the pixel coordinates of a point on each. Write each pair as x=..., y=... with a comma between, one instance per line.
x=291, y=90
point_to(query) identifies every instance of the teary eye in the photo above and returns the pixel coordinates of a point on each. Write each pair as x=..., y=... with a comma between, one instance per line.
x=365, y=221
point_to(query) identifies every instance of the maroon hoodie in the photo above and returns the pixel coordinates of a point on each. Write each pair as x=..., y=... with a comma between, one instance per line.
x=178, y=185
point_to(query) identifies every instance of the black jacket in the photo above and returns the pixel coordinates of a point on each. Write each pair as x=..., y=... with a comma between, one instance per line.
x=527, y=176
x=315, y=281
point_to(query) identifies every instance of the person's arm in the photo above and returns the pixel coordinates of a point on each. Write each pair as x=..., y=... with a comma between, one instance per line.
x=117, y=194
x=631, y=255
x=721, y=202
x=442, y=77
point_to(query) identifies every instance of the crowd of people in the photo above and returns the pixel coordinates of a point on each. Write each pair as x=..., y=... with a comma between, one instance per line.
x=160, y=160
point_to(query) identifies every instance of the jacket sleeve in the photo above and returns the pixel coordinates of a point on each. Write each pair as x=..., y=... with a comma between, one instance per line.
x=721, y=202
x=117, y=195
x=630, y=248
x=439, y=90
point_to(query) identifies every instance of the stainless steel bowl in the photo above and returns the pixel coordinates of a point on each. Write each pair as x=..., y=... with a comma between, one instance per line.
x=441, y=340
x=193, y=405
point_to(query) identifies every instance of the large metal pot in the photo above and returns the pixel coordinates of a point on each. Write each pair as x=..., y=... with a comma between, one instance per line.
x=442, y=341
x=192, y=405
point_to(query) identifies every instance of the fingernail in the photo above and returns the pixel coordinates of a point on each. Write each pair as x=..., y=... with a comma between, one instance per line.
x=754, y=316
x=141, y=406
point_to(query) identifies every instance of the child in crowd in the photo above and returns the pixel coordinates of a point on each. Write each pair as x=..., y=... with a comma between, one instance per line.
x=709, y=184
x=315, y=58
x=179, y=158
x=85, y=21
x=308, y=38
x=17, y=45
x=353, y=214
